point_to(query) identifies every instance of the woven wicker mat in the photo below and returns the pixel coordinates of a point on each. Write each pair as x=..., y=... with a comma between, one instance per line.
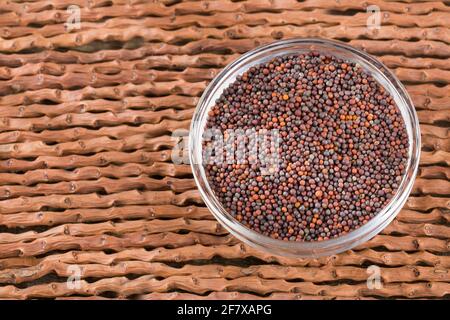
x=87, y=187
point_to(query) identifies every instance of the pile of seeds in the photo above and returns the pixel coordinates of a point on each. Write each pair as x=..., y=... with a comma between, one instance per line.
x=343, y=149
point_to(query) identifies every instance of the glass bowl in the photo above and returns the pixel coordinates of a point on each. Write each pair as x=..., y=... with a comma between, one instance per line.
x=297, y=46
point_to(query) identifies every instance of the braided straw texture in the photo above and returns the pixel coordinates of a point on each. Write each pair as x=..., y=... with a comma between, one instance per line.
x=86, y=178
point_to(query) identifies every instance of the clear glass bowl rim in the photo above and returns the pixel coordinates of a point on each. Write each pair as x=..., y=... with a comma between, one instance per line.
x=294, y=248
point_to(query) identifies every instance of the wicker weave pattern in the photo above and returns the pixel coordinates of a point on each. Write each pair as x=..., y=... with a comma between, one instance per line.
x=86, y=177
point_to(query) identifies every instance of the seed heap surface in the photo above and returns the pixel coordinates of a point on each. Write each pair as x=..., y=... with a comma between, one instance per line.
x=343, y=149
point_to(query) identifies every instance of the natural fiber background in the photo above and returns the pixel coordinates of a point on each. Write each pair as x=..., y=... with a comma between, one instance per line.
x=85, y=172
